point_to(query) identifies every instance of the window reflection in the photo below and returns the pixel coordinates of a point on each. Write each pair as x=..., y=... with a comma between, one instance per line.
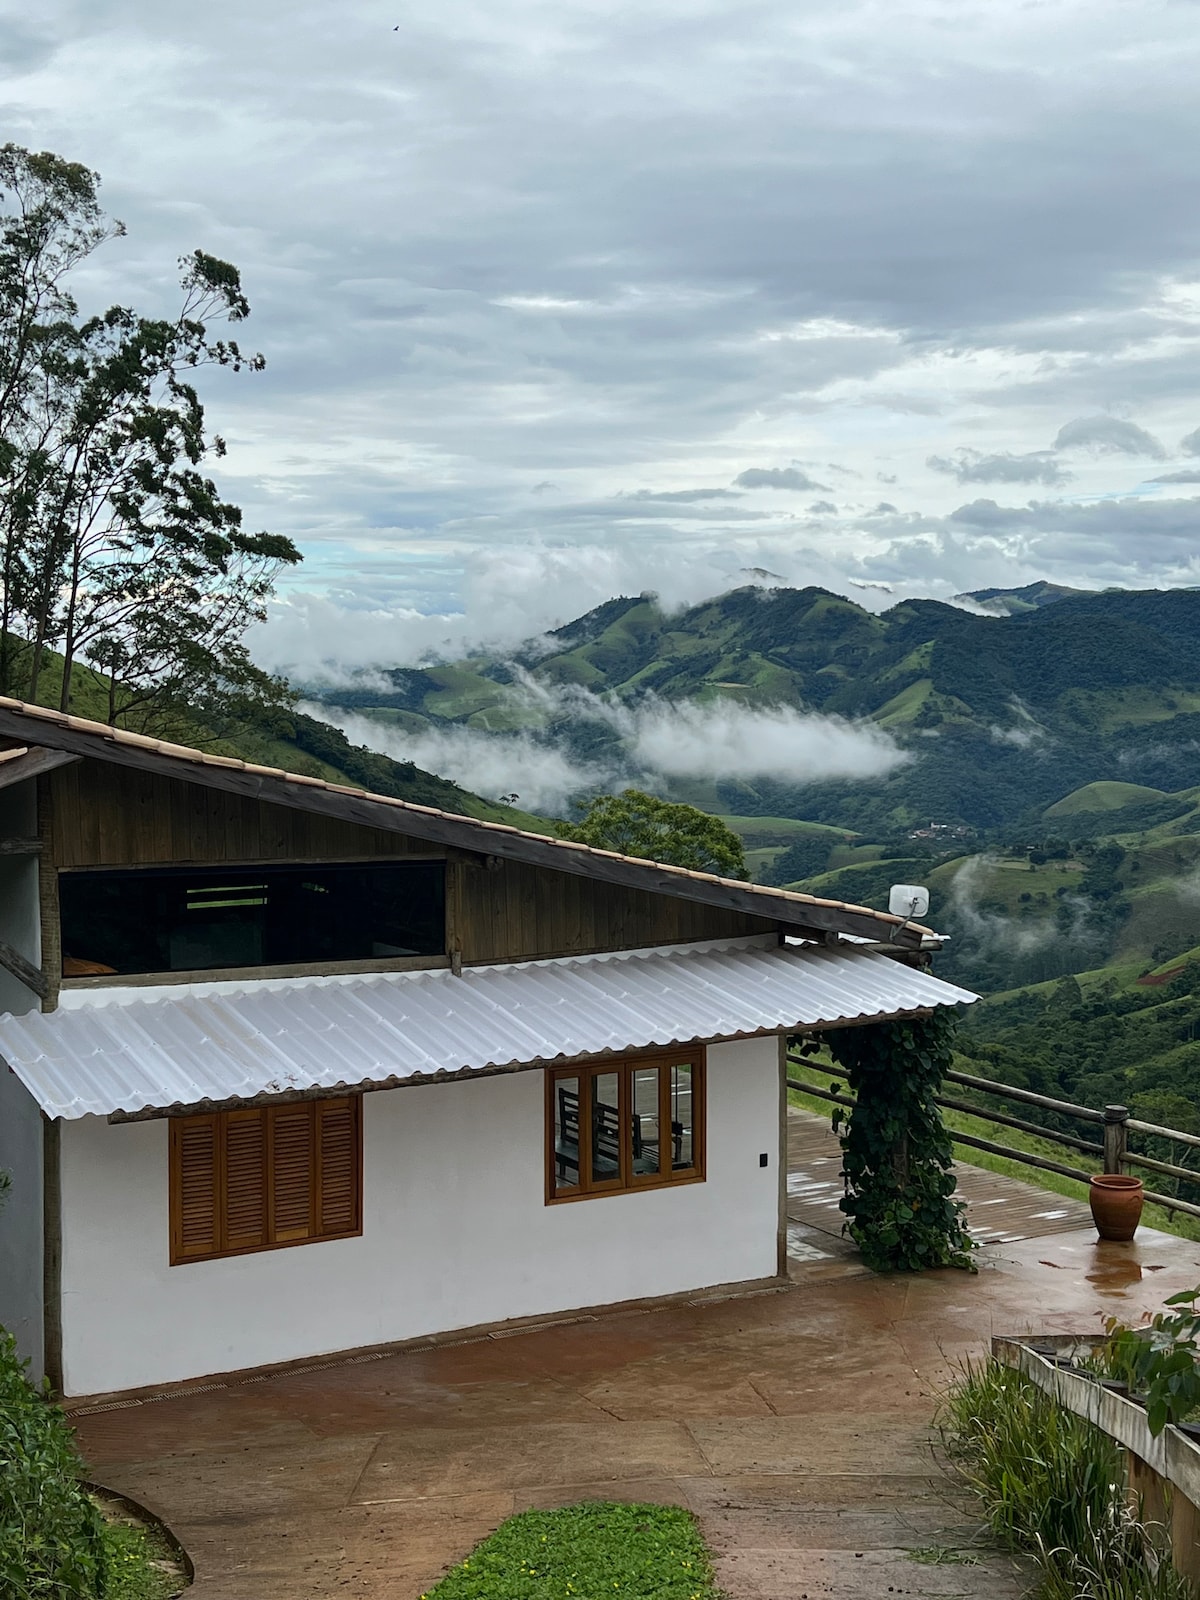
x=606, y=1128
x=682, y=1117
x=566, y=1134
x=646, y=1112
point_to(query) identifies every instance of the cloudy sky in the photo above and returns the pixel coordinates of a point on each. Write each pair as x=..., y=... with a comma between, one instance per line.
x=564, y=298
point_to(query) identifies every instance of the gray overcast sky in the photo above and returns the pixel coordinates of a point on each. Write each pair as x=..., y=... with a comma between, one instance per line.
x=909, y=287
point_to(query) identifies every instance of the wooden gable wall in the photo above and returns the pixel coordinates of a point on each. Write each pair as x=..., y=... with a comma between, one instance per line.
x=108, y=816
x=102, y=815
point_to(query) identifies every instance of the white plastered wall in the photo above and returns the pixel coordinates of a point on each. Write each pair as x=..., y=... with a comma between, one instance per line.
x=455, y=1232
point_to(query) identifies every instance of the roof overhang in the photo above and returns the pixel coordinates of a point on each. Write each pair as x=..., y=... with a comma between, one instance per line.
x=808, y=914
x=130, y=1053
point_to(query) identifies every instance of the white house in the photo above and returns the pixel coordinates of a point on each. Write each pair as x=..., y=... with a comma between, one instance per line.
x=292, y=1069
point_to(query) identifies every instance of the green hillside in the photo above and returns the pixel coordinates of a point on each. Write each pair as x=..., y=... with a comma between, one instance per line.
x=1083, y=701
x=1101, y=797
x=1030, y=598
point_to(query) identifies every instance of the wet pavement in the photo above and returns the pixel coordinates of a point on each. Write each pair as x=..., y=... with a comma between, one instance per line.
x=795, y=1422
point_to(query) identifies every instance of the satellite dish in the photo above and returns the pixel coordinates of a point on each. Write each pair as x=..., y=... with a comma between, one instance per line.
x=908, y=900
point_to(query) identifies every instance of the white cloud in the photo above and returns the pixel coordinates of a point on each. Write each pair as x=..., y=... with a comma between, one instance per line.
x=544, y=777
x=657, y=740
x=724, y=739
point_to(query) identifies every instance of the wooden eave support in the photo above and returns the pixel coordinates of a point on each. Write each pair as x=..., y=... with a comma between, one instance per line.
x=24, y=971
x=16, y=766
x=20, y=847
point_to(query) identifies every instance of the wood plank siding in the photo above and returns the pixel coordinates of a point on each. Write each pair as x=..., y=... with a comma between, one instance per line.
x=522, y=912
x=103, y=815
x=109, y=816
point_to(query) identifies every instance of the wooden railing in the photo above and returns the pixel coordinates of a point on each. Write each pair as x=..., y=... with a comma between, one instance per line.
x=1110, y=1143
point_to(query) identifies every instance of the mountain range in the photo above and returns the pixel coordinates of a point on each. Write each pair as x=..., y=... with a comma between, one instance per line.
x=998, y=711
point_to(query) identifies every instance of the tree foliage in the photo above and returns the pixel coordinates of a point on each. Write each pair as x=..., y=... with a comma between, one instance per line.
x=896, y=1153
x=805, y=857
x=637, y=824
x=116, y=550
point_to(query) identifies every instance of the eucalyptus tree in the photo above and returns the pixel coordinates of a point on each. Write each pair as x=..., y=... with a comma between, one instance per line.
x=117, y=551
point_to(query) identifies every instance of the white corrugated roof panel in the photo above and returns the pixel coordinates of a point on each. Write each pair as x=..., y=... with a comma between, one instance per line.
x=129, y=1049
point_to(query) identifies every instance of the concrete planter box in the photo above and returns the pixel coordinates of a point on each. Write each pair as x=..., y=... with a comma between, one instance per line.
x=1164, y=1471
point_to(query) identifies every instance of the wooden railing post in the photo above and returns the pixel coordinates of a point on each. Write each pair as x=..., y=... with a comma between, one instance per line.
x=1116, y=1137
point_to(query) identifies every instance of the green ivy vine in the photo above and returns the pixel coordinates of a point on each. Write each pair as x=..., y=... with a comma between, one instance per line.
x=896, y=1153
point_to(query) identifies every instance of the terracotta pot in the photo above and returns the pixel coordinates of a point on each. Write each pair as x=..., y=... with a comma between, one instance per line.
x=1116, y=1203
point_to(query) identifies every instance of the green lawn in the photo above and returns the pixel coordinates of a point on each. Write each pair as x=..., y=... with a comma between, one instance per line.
x=583, y=1552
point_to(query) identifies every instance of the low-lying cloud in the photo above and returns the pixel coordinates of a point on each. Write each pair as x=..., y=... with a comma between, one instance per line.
x=656, y=741
x=728, y=740
x=543, y=776
x=1061, y=936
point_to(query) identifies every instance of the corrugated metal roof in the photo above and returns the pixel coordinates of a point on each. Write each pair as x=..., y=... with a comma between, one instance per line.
x=129, y=1050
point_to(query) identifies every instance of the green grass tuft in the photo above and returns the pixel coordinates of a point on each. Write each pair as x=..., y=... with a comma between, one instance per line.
x=585, y=1552
x=139, y=1564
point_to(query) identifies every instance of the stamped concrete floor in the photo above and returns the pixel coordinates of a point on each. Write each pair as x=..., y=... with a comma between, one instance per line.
x=795, y=1422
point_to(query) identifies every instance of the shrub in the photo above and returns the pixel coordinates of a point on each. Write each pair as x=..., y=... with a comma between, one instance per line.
x=1162, y=1363
x=51, y=1535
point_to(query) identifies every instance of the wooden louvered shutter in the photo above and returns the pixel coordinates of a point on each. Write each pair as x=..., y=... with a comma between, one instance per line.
x=245, y=1187
x=293, y=1172
x=195, y=1220
x=264, y=1176
x=339, y=1164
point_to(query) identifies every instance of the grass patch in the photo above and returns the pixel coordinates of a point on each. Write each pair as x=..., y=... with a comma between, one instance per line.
x=139, y=1564
x=941, y=1555
x=620, y=1552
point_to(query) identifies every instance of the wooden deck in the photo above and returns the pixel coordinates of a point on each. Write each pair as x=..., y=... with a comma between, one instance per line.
x=1000, y=1210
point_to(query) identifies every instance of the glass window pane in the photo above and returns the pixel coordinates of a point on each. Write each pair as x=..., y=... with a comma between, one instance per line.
x=566, y=1134
x=682, y=1118
x=606, y=1128
x=646, y=1145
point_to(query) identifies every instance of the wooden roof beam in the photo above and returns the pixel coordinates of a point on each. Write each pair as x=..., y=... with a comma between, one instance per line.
x=16, y=766
x=24, y=971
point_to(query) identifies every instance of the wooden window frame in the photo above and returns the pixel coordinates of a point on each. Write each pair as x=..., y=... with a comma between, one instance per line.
x=627, y=1181
x=219, y=1122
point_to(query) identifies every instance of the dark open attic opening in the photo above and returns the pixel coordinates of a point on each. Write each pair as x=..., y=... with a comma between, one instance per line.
x=189, y=919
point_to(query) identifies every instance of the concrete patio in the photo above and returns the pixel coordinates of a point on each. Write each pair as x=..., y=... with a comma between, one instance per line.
x=795, y=1422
